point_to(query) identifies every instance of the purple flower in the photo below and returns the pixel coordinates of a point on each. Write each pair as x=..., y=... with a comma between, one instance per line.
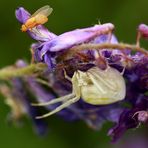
x=129, y=118
x=52, y=50
x=76, y=37
x=136, y=97
x=53, y=45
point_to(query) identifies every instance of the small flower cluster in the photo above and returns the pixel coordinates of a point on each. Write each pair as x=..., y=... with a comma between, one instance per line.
x=83, y=63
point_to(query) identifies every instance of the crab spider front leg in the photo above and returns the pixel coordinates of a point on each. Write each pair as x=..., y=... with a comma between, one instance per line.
x=123, y=70
x=66, y=76
x=60, y=99
x=64, y=105
x=69, y=99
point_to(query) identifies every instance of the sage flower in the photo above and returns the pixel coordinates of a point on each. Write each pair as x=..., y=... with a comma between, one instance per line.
x=54, y=50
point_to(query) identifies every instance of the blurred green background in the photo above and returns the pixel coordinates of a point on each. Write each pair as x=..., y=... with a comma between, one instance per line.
x=67, y=15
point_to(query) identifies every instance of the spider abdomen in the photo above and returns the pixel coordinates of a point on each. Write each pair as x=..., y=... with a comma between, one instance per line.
x=106, y=87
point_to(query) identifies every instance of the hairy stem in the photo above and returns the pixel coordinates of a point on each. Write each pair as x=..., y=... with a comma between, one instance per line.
x=120, y=46
x=12, y=71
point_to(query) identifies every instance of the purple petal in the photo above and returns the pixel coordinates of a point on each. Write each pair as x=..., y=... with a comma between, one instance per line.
x=40, y=33
x=105, y=38
x=125, y=122
x=76, y=37
x=22, y=15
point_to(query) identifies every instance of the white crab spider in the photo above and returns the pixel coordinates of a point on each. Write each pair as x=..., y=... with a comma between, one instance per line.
x=95, y=86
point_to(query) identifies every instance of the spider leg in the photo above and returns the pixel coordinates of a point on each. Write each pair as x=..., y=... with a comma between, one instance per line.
x=66, y=76
x=64, y=98
x=59, y=108
x=123, y=70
